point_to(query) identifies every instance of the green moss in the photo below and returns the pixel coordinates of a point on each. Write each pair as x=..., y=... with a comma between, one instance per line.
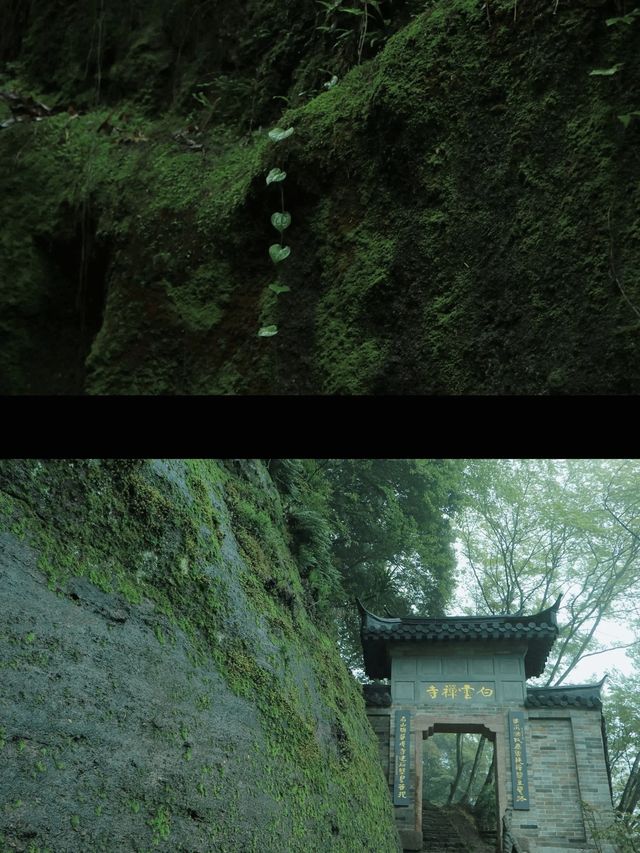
x=194, y=202
x=482, y=180
x=308, y=804
x=459, y=202
x=364, y=259
x=147, y=545
x=160, y=823
x=133, y=533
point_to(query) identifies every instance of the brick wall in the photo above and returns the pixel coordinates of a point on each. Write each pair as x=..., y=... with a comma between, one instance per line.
x=566, y=765
x=379, y=720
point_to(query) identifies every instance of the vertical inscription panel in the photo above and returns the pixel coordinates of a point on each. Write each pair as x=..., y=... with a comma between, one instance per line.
x=403, y=755
x=518, y=749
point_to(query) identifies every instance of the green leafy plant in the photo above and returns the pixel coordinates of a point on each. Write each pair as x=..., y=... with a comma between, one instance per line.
x=201, y=98
x=268, y=331
x=623, y=830
x=275, y=176
x=280, y=220
x=367, y=16
x=606, y=72
x=278, y=134
x=279, y=253
x=626, y=118
x=624, y=19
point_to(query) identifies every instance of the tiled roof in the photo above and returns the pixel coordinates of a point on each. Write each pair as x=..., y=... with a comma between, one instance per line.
x=571, y=695
x=538, y=630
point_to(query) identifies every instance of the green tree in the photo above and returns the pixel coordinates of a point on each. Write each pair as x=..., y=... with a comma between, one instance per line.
x=393, y=542
x=622, y=711
x=531, y=530
x=377, y=529
x=459, y=768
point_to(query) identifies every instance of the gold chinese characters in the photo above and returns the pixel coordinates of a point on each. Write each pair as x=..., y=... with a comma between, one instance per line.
x=517, y=761
x=452, y=691
x=402, y=759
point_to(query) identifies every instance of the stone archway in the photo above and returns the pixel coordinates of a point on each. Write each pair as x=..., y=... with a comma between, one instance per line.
x=492, y=727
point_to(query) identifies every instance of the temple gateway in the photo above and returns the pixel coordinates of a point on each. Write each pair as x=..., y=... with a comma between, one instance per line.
x=475, y=759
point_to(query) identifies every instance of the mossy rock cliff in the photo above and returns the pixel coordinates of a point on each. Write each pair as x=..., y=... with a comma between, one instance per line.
x=166, y=680
x=464, y=200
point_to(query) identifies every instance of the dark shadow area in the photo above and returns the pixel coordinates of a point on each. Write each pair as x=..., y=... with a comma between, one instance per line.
x=70, y=313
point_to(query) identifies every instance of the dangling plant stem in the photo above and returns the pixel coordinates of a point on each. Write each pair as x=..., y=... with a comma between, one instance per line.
x=612, y=267
x=280, y=221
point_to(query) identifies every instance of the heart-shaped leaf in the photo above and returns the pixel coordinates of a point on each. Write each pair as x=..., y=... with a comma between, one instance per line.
x=276, y=175
x=279, y=288
x=279, y=253
x=281, y=221
x=278, y=134
x=268, y=331
x=626, y=119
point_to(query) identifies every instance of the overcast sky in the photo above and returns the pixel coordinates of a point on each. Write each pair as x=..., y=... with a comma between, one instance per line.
x=591, y=669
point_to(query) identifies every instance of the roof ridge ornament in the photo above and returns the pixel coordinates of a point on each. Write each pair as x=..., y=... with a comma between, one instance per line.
x=561, y=687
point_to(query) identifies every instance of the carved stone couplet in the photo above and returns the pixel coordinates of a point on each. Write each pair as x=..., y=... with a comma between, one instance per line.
x=402, y=759
x=518, y=747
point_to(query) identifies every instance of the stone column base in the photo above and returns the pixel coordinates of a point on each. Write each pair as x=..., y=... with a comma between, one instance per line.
x=411, y=839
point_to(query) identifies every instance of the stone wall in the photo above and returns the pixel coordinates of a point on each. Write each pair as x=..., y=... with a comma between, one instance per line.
x=165, y=683
x=381, y=725
x=566, y=766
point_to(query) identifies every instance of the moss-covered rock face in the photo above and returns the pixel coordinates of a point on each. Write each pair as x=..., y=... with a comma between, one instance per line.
x=464, y=205
x=164, y=686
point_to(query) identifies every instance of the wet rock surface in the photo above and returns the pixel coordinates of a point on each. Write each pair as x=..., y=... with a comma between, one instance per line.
x=111, y=735
x=162, y=683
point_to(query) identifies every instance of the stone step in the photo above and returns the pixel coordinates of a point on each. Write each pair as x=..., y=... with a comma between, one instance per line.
x=444, y=848
x=440, y=834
